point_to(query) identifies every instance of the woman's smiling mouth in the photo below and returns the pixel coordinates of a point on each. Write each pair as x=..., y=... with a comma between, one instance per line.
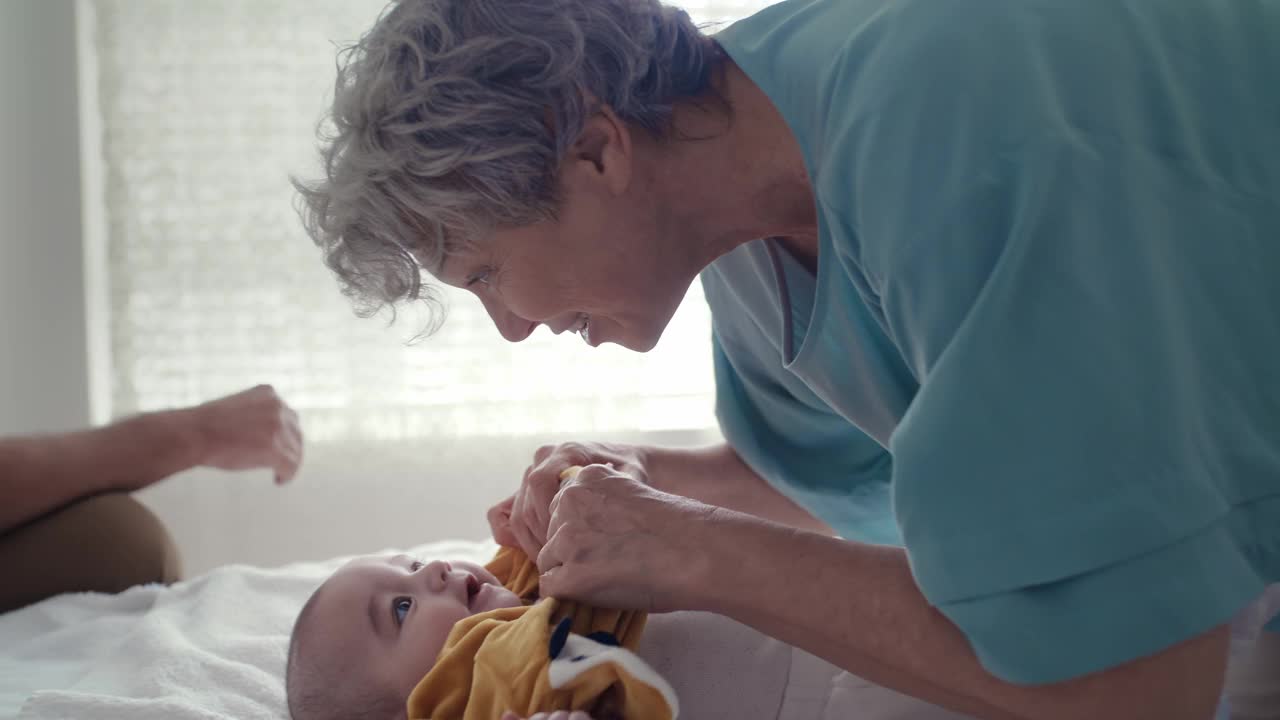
x=583, y=328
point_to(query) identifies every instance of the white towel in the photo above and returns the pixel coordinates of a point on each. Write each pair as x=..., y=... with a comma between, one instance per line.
x=210, y=648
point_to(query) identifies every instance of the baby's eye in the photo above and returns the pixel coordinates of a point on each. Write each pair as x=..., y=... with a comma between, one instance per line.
x=415, y=566
x=400, y=608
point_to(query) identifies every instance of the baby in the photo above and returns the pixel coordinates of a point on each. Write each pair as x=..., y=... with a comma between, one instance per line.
x=371, y=632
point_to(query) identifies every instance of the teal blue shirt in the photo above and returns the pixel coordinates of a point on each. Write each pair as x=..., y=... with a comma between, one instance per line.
x=1042, y=346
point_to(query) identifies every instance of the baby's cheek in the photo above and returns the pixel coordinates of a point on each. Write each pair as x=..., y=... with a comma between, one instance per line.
x=452, y=617
x=439, y=623
x=511, y=599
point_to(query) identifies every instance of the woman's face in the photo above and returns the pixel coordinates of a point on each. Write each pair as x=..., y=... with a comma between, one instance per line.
x=612, y=264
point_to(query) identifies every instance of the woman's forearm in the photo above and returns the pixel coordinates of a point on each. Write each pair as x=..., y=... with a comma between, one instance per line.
x=858, y=607
x=717, y=476
x=44, y=472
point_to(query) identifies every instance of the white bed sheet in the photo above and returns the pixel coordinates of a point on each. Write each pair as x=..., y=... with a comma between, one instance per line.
x=211, y=648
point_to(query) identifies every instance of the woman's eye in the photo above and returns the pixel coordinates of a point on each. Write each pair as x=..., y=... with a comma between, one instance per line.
x=400, y=608
x=479, y=278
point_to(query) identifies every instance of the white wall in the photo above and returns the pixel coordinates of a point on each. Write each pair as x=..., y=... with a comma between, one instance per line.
x=43, y=354
x=351, y=500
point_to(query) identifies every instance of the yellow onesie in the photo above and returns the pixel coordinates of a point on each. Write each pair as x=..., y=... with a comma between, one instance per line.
x=549, y=655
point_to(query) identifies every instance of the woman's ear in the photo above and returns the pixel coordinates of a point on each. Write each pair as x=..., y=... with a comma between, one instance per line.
x=602, y=152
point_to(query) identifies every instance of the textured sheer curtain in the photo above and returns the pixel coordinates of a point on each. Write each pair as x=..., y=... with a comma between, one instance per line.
x=207, y=107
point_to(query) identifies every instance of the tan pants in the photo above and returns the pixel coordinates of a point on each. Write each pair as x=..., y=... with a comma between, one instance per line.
x=105, y=543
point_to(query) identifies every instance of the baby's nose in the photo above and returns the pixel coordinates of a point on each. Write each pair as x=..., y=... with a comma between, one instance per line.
x=436, y=574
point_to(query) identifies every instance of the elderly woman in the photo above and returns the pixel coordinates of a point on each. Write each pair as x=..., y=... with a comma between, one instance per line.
x=993, y=287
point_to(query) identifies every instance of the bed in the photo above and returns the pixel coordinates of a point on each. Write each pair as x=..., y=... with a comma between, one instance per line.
x=211, y=648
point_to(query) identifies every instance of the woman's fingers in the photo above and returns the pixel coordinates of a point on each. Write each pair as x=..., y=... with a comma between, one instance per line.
x=500, y=523
x=552, y=555
x=541, y=454
x=520, y=525
x=542, y=485
x=618, y=543
x=565, y=559
x=528, y=522
x=530, y=513
x=541, y=481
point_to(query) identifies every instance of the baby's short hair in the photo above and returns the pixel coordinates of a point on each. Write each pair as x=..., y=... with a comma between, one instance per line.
x=314, y=683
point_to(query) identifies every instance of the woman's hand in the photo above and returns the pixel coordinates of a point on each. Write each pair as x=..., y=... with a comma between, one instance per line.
x=616, y=542
x=557, y=715
x=522, y=519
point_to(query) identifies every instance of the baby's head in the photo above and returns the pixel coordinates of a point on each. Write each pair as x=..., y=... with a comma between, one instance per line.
x=374, y=629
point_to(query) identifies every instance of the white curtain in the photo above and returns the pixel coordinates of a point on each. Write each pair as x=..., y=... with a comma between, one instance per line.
x=206, y=108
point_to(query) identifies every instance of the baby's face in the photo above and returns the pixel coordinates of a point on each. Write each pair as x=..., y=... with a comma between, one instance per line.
x=389, y=616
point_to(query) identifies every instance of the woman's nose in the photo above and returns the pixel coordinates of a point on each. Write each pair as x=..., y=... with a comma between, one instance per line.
x=512, y=327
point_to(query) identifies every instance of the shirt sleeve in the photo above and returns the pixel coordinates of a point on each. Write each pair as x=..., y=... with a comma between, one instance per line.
x=804, y=450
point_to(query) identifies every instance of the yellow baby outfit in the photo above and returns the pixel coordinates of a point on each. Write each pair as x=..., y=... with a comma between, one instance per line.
x=548, y=655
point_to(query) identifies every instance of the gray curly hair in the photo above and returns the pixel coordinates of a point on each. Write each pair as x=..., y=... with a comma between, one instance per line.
x=450, y=117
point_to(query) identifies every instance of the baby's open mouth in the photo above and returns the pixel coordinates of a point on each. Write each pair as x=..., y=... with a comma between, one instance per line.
x=473, y=589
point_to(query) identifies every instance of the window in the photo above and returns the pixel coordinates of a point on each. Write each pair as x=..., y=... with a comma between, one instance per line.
x=207, y=106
